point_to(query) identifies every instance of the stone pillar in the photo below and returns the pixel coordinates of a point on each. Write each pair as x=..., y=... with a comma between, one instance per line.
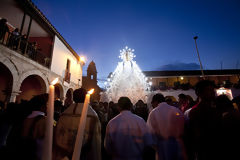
x=14, y=95
x=62, y=99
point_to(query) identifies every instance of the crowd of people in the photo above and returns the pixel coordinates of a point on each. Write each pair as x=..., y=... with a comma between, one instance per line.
x=207, y=128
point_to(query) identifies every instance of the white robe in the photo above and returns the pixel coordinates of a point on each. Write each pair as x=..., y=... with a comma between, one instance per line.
x=126, y=136
x=66, y=132
x=166, y=123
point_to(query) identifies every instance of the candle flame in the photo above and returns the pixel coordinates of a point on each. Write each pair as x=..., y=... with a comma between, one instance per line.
x=91, y=91
x=54, y=81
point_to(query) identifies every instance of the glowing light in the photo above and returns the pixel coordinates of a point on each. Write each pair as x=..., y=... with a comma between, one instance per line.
x=177, y=114
x=82, y=59
x=181, y=78
x=150, y=83
x=225, y=91
x=127, y=54
x=91, y=91
x=126, y=80
x=54, y=81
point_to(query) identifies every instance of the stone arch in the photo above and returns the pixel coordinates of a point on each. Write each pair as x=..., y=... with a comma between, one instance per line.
x=33, y=72
x=59, y=91
x=6, y=83
x=32, y=85
x=12, y=68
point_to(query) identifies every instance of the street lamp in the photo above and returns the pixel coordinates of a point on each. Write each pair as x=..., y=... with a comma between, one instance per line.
x=195, y=38
x=82, y=60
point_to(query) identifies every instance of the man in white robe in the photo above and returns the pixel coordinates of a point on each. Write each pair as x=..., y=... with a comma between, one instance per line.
x=127, y=134
x=166, y=123
x=67, y=127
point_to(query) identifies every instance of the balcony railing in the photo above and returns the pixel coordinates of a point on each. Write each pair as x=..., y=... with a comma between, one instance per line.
x=28, y=49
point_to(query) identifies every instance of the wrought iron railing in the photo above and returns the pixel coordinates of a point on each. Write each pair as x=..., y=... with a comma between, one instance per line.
x=28, y=49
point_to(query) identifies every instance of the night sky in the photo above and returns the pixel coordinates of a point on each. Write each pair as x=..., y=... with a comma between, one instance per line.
x=160, y=31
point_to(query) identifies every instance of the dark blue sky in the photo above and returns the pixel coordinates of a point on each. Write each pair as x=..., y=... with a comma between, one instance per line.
x=160, y=31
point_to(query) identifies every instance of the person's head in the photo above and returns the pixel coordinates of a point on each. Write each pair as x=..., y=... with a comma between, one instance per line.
x=79, y=95
x=58, y=105
x=105, y=104
x=111, y=104
x=124, y=103
x=140, y=101
x=3, y=20
x=101, y=104
x=190, y=101
x=182, y=99
x=224, y=104
x=168, y=100
x=181, y=96
x=39, y=102
x=205, y=90
x=95, y=105
x=157, y=98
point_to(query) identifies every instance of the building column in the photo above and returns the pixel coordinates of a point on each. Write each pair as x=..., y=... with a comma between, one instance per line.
x=23, y=21
x=21, y=29
x=62, y=99
x=14, y=95
x=28, y=32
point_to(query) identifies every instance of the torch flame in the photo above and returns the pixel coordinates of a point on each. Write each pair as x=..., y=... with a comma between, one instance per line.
x=91, y=91
x=54, y=81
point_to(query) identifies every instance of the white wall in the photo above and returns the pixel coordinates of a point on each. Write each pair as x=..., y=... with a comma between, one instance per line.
x=59, y=61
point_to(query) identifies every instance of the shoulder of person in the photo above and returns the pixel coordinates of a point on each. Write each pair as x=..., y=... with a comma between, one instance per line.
x=91, y=111
x=194, y=112
x=114, y=120
x=69, y=109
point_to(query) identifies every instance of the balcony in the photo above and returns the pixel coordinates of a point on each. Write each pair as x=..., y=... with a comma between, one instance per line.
x=28, y=49
x=67, y=76
x=26, y=31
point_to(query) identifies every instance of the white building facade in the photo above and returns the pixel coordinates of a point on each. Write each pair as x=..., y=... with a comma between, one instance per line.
x=35, y=57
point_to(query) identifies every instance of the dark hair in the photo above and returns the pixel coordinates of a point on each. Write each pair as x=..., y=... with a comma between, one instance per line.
x=79, y=95
x=4, y=20
x=39, y=101
x=182, y=96
x=124, y=103
x=201, y=85
x=223, y=103
x=57, y=105
x=158, y=98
